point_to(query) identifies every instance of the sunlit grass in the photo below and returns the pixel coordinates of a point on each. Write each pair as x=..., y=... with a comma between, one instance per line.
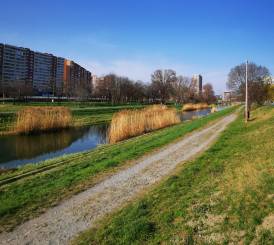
x=31, y=196
x=83, y=114
x=226, y=196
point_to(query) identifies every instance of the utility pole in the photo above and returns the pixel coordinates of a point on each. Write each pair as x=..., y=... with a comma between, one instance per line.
x=164, y=80
x=246, y=93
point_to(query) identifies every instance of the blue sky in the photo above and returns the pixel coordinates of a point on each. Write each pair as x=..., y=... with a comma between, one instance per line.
x=134, y=38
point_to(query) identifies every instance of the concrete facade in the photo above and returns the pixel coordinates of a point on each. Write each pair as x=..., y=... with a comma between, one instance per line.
x=16, y=68
x=197, y=83
x=23, y=71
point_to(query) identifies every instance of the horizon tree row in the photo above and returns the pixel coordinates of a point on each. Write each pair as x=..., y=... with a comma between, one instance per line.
x=165, y=86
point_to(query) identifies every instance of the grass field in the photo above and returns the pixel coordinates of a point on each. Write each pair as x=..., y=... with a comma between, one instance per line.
x=31, y=196
x=84, y=114
x=226, y=196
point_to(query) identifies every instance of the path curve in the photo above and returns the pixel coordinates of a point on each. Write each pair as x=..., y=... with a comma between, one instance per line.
x=60, y=224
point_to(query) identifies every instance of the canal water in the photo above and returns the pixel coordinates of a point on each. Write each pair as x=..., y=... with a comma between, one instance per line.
x=189, y=115
x=18, y=150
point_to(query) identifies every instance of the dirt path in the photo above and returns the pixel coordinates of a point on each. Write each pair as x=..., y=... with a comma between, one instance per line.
x=61, y=223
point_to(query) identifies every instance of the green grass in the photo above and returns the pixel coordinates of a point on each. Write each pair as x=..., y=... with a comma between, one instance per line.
x=29, y=197
x=7, y=120
x=84, y=113
x=226, y=196
x=97, y=115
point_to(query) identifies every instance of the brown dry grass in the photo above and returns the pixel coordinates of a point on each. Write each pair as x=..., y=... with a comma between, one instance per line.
x=35, y=119
x=192, y=107
x=129, y=123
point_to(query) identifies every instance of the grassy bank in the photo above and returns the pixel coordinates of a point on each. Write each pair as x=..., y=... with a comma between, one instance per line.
x=30, y=196
x=84, y=114
x=224, y=197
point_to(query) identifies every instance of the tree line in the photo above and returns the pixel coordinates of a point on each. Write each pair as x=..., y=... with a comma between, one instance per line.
x=164, y=86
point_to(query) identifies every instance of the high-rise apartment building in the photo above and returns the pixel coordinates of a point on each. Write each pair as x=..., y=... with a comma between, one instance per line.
x=16, y=68
x=34, y=73
x=1, y=61
x=43, y=74
x=197, y=83
x=59, y=76
x=76, y=76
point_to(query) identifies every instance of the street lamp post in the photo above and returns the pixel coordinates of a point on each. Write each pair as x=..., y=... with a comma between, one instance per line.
x=246, y=93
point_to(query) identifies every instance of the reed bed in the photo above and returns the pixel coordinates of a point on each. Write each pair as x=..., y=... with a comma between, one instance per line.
x=193, y=107
x=35, y=119
x=130, y=123
x=214, y=108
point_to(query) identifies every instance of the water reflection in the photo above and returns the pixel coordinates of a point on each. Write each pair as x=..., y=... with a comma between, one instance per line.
x=189, y=115
x=17, y=150
x=21, y=149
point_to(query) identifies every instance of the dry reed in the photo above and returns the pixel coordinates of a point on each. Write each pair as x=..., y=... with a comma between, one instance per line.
x=35, y=119
x=129, y=123
x=193, y=107
x=214, y=109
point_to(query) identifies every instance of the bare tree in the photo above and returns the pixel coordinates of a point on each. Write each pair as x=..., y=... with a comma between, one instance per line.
x=164, y=86
x=208, y=94
x=82, y=92
x=117, y=89
x=162, y=83
x=182, y=89
x=257, y=81
x=140, y=91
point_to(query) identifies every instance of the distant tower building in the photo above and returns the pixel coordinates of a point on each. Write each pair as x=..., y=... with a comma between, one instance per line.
x=197, y=83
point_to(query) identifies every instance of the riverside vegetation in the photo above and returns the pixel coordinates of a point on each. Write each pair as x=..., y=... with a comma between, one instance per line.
x=70, y=174
x=83, y=114
x=197, y=106
x=36, y=119
x=129, y=123
x=223, y=197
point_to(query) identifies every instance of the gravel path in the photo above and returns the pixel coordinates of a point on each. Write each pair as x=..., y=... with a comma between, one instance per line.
x=60, y=224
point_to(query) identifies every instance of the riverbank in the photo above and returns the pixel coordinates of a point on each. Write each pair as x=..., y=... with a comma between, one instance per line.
x=63, y=222
x=65, y=176
x=225, y=196
x=84, y=114
x=21, y=149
